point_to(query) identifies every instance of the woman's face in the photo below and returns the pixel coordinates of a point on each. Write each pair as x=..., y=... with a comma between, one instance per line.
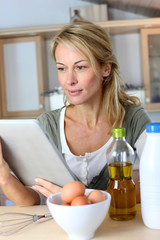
x=77, y=77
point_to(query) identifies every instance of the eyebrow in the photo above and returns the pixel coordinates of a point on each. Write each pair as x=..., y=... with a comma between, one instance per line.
x=74, y=63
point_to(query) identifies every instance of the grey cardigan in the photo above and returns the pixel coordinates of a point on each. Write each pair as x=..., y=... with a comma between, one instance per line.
x=134, y=122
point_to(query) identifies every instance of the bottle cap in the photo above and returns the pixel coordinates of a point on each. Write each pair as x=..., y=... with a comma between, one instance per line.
x=153, y=128
x=118, y=132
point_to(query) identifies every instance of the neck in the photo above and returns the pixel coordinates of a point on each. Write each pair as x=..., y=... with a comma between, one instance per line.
x=89, y=115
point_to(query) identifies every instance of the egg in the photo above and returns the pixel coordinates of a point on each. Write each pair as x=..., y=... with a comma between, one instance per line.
x=72, y=190
x=96, y=196
x=66, y=204
x=80, y=200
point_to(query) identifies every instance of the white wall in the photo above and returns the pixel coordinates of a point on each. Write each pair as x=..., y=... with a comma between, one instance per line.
x=24, y=13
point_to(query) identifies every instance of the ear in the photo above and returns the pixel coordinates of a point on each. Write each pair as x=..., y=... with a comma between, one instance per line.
x=106, y=69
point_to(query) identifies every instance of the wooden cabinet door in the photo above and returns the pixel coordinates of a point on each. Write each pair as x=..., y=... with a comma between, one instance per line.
x=21, y=77
x=151, y=67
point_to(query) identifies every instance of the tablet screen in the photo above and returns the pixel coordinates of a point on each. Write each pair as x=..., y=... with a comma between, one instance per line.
x=31, y=153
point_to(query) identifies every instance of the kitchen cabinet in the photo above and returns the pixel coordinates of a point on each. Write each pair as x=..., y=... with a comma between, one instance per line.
x=21, y=77
x=151, y=67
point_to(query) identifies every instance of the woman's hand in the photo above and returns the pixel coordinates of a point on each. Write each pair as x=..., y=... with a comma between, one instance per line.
x=4, y=169
x=46, y=188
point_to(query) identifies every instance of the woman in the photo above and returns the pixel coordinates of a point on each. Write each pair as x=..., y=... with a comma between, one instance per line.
x=94, y=104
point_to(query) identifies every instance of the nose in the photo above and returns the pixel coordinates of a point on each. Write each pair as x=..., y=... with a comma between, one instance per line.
x=71, y=77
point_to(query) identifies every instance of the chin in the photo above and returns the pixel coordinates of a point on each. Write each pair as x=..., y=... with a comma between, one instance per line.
x=75, y=101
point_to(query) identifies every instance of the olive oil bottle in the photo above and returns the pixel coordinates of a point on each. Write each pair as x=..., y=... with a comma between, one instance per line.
x=121, y=186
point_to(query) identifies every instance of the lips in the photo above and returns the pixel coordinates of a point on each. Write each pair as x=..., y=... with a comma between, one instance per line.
x=74, y=92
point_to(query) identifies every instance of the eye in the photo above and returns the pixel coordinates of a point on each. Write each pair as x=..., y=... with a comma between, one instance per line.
x=61, y=69
x=80, y=67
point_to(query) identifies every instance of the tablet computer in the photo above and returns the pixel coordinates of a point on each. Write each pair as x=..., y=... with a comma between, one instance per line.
x=31, y=153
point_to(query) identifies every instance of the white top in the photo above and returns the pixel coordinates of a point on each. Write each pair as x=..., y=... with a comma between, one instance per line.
x=90, y=165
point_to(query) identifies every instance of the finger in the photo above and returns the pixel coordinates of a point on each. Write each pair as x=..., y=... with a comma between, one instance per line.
x=42, y=190
x=48, y=185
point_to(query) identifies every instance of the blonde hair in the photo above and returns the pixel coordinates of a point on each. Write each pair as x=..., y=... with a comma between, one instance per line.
x=92, y=41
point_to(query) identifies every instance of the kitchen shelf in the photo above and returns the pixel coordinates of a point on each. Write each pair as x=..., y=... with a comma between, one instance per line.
x=113, y=27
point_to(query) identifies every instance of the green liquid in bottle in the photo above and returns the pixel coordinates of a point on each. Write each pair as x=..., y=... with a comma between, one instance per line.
x=122, y=189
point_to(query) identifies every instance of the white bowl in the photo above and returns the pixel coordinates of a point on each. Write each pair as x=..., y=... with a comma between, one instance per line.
x=80, y=222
